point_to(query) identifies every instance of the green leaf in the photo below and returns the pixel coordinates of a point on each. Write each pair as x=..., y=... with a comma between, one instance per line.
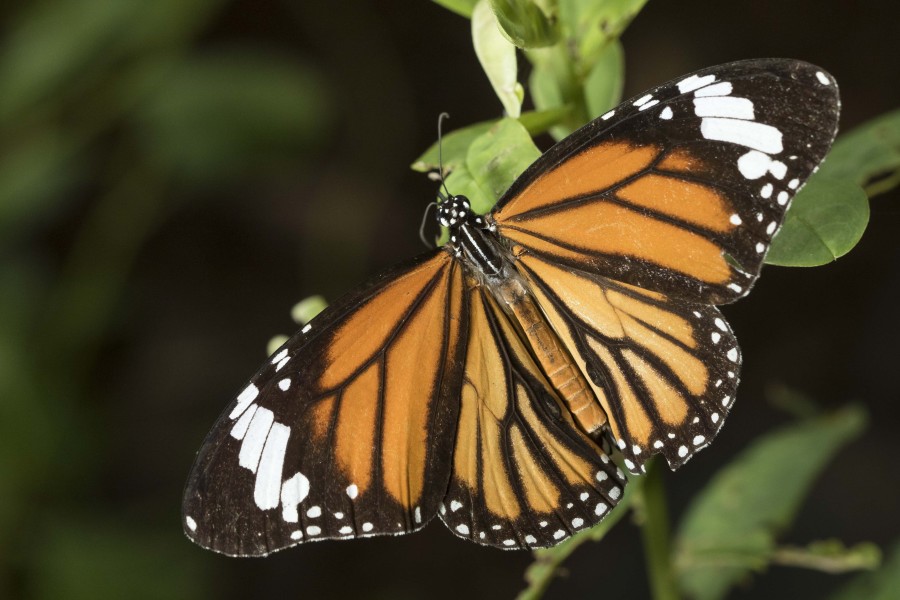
x=880, y=585
x=592, y=25
x=461, y=7
x=498, y=58
x=498, y=157
x=524, y=23
x=228, y=113
x=826, y=220
x=456, y=143
x=868, y=155
x=553, y=85
x=605, y=81
x=461, y=183
x=730, y=527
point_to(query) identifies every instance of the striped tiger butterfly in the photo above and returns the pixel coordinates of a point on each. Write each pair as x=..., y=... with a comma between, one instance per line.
x=488, y=381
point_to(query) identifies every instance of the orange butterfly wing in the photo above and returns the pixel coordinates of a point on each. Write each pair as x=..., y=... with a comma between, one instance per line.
x=683, y=190
x=347, y=431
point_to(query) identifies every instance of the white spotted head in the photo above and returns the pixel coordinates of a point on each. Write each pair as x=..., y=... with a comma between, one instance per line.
x=453, y=211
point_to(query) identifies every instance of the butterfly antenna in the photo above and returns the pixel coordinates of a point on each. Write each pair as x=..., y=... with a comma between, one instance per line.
x=422, y=226
x=441, y=118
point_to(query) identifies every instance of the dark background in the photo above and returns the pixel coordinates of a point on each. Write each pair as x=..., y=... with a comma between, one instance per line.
x=218, y=267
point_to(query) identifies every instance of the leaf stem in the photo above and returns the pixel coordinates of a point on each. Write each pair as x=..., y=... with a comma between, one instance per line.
x=655, y=531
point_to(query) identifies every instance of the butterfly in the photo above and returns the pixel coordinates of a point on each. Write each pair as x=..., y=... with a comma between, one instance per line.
x=488, y=381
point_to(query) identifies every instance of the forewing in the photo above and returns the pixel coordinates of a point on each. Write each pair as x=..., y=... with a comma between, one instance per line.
x=347, y=431
x=524, y=476
x=680, y=190
x=664, y=370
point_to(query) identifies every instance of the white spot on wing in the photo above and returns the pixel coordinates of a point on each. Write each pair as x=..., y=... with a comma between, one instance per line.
x=719, y=89
x=724, y=106
x=267, y=491
x=649, y=104
x=352, y=491
x=240, y=428
x=367, y=527
x=732, y=355
x=694, y=82
x=418, y=515
x=455, y=505
x=278, y=357
x=313, y=530
x=296, y=535
x=191, y=523
x=643, y=100
x=682, y=451
x=293, y=492
x=530, y=539
x=345, y=530
x=601, y=508
x=766, y=191
x=244, y=399
x=615, y=492
x=284, y=384
x=463, y=529
x=666, y=113
x=558, y=534
x=255, y=439
x=306, y=328
x=754, y=164
x=823, y=78
x=749, y=134
x=314, y=512
x=778, y=169
x=607, y=116
x=577, y=522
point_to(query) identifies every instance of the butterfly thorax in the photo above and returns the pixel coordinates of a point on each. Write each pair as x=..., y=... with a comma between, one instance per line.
x=472, y=240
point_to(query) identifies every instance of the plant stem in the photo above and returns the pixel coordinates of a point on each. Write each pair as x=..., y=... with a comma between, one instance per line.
x=655, y=531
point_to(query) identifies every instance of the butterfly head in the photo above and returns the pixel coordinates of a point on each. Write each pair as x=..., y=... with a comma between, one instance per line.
x=453, y=211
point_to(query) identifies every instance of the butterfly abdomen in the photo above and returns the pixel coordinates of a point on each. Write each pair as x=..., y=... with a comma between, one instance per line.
x=555, y=361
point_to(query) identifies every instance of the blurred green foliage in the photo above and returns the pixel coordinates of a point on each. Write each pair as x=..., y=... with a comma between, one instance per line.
x=114, y=112
x=731, y=526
